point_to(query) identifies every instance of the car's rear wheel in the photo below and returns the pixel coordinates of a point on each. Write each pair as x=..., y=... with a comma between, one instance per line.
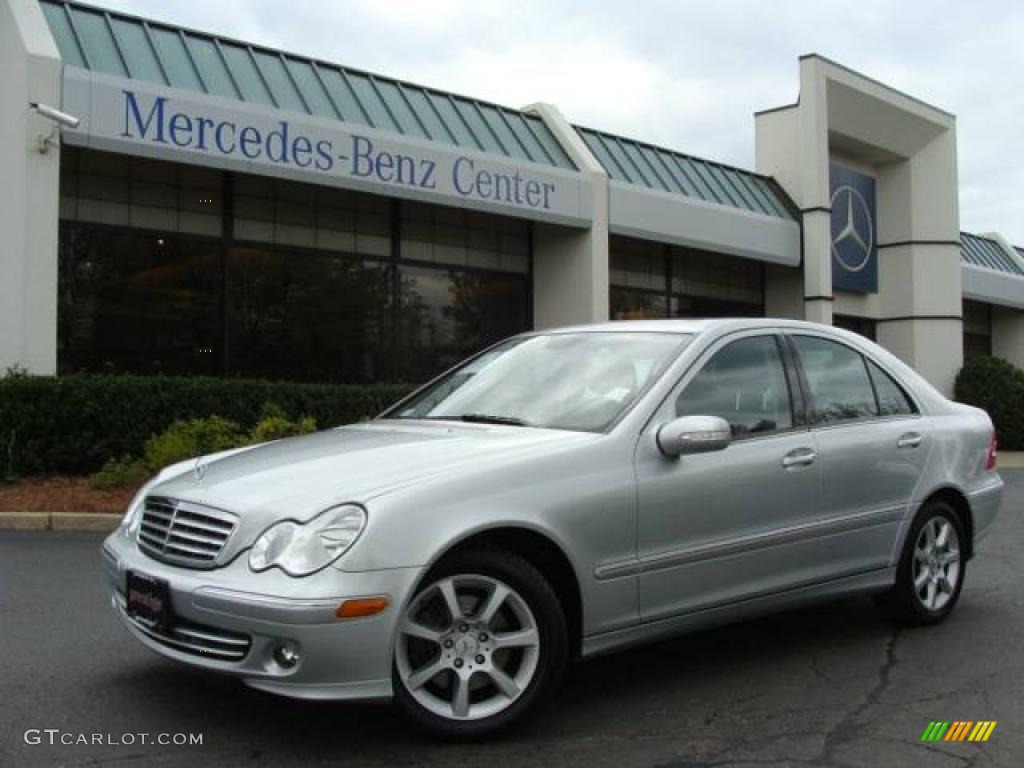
x=481, y=644
x=931, y=569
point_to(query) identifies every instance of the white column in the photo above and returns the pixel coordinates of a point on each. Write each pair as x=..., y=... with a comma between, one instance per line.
x=570, y=266
x=29, y=193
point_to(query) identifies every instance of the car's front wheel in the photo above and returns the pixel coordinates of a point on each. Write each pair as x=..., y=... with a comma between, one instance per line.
x=482, y=643
x=931, y=570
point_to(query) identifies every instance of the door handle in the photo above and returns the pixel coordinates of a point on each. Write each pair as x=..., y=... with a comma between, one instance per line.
x=909, y=440
x=799, y=457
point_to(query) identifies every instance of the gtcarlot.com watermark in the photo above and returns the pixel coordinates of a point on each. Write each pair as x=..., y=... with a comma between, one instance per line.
x=55, y=736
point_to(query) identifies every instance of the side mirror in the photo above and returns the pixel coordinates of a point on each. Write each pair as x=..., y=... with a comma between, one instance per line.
x=693, y=434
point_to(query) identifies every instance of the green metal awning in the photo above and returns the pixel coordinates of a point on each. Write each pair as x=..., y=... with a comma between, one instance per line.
x=985, y=252
x=117, y=44
x=665, y=170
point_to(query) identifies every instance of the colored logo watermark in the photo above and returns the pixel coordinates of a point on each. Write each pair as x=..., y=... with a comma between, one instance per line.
x=958, y=730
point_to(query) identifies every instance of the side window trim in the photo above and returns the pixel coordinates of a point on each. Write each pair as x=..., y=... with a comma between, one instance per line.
x=799, y=391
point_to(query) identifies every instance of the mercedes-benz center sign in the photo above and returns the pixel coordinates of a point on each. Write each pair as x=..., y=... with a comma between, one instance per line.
x=129, y=116
x=854, y=227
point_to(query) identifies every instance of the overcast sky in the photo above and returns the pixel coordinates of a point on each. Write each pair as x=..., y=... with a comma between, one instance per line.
x=687, y=75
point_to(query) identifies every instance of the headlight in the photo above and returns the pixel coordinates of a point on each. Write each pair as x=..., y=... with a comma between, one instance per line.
x=300, y=549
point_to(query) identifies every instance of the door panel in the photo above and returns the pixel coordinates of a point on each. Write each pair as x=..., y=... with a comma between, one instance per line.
x=707, y=522
x=717, y=527
x=872, y=445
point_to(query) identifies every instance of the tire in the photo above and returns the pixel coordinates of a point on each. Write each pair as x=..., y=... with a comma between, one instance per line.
x=938, y=567
x=454, y=675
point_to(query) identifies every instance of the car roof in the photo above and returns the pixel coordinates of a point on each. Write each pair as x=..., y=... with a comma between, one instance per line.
x=692, y=325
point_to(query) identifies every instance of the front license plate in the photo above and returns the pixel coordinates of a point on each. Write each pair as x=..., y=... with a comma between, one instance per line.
x=149, y=599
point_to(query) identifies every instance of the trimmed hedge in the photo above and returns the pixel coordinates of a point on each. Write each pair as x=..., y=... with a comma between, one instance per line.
x=74, y=424
x=998, y=387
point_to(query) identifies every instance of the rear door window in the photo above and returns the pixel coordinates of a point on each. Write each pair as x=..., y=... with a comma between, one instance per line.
x=840, y=387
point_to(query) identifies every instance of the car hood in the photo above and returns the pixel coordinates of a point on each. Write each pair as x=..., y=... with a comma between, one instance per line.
x=299, y=477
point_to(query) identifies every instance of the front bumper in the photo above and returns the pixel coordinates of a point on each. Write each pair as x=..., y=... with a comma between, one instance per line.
x=230, y=620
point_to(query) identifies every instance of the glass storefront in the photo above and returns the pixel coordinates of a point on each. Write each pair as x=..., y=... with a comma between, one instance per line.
x=653, y=280
x=865, y=326
x=977, y=329
x=166, y=268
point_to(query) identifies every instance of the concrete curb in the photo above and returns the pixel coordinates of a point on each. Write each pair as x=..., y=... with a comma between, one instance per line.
x=1011, y=460
x=94, y=522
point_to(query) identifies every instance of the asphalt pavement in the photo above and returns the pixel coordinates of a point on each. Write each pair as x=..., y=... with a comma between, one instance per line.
x=833, y=685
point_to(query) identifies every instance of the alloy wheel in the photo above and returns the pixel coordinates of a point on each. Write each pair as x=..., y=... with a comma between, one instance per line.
x=468, y=647
x=936, y=563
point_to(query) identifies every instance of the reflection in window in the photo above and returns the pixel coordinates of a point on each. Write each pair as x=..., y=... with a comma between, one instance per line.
x=457, y=237
x=629, y=304
x=307, y=317
x=840, y=387
x=892, y=400
x=302, y=282
x=443, y=316
x=743, y=383
x=652, y=280
x=141, y=303
x=705, y=282
x=577, y=381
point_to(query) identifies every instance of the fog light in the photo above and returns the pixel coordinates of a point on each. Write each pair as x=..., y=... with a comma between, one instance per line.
x=286, y=655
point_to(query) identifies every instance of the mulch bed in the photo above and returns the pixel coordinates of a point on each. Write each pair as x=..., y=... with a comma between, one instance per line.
x=61, y=494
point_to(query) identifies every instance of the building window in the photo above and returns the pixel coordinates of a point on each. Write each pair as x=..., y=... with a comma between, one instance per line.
x=281, y=281
x=136, y=302
x=138, y=193
x=275, y=211
x=307, y=316
x=865, y=326
x=715, y=285
x=977, y=329
x=444, y=315
x=651, y=280
x=456, y=237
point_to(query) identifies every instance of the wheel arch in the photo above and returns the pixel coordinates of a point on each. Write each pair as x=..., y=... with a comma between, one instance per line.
x=544, y=554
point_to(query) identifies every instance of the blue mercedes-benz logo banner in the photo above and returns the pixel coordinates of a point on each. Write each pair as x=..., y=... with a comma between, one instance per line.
x=854, y=229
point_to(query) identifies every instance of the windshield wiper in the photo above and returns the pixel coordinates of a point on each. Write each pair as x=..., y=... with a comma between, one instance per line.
x=484, y=418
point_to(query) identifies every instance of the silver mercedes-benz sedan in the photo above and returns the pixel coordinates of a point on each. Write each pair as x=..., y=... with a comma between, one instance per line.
x=563, y=493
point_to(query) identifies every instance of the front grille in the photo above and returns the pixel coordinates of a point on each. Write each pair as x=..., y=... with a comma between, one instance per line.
x=197, y=639
x=182, y=533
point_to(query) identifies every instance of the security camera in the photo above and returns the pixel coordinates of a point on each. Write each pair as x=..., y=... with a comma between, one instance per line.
x=52, y=113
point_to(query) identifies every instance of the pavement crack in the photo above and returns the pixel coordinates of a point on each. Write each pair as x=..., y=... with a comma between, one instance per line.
x=847, y=729
x=817, y=670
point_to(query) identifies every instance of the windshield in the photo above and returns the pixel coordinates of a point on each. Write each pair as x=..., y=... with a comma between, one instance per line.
x=578, y=381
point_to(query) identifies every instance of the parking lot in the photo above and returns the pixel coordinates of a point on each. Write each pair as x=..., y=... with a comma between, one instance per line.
x=832, y=685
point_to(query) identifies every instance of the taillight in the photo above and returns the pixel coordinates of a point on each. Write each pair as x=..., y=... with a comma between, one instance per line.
x=993, y=454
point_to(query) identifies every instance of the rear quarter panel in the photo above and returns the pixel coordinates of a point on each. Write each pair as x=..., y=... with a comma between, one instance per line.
x=960, y=441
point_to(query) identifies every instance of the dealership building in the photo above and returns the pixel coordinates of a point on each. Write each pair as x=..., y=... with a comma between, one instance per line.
x=223, y=208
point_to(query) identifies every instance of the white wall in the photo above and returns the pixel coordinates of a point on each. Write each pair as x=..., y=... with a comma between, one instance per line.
x=570, y=266
x=29, y=193
x=910, y=149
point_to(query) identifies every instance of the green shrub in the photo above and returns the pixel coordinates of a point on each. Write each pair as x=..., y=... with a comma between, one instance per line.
x=75, y=424
x=185, y=439
x=118, y=473
x=998, y=387
x=274, y=424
